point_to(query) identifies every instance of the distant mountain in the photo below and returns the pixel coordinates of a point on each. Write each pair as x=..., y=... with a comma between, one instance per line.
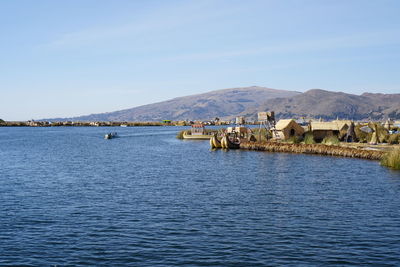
x=225, y=103
x=330, y=105
x=247, y=101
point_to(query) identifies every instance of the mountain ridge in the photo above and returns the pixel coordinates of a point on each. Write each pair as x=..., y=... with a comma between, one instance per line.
x=247, y=101
x=318, y=103
x=221, y=103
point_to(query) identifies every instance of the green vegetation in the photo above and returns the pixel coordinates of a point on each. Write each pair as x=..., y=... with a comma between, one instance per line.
x=262, y=134
x=331, y=140
x=392, y=159
x=309, y=139
x=294, y=140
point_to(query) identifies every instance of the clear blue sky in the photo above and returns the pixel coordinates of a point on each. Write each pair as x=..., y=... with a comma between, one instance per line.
x=74, y=57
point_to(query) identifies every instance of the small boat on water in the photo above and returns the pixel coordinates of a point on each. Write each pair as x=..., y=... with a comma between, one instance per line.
x=230, y=142
x=231, y=138
x=110, y=135
x=214, y=142
x=197, y=132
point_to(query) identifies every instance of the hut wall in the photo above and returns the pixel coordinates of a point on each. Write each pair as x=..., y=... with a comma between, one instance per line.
x=290, y=131
x=319, y=135
x=281, y=135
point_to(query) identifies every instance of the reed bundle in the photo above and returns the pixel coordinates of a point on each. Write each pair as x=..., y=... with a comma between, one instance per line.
x=320, y=149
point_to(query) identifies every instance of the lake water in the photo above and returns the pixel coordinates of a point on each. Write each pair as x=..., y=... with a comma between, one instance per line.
x=69, y=197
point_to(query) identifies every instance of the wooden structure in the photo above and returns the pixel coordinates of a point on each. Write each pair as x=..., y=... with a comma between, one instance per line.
x=288, y=128
x=239, y=131
x=267, y=119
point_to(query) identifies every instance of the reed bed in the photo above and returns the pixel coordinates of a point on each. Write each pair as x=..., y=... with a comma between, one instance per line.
x=319, y=149
x=392, y=159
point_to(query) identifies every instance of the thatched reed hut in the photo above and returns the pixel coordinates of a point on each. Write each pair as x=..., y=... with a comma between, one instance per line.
x=321, y=130
x=288, y=128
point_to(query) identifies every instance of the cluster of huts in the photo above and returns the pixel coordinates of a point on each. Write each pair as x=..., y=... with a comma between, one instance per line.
x=288, y=128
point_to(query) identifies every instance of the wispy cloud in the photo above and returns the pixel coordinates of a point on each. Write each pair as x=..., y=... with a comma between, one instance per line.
x=371, y=39
x=154, y=21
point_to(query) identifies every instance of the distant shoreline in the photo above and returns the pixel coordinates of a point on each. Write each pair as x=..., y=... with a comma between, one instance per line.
x=96, y=124
x=83, y=124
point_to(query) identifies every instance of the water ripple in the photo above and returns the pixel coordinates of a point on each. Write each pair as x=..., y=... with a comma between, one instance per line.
x=71, y=198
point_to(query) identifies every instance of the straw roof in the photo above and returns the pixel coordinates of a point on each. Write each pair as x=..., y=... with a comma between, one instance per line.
x=282, y=124
x=328, y=126
x=343, y=123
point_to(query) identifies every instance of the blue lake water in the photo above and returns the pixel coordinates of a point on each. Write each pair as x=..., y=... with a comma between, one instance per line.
x=69, y=197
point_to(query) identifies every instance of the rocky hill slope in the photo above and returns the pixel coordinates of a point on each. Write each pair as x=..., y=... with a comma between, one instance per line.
x=247, y=101
x=330, y=105
x=225, y=103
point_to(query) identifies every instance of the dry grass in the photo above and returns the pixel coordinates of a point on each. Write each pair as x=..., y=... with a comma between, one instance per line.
x=319, y=149
x=394, y=139
x=366, y=137
x=392, y=159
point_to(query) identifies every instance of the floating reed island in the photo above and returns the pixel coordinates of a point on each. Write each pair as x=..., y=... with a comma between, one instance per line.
x=371, y=140
x=319, y=149
x=287, y=141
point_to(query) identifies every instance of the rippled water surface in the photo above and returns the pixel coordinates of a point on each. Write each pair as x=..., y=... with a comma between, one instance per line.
x=69, y=197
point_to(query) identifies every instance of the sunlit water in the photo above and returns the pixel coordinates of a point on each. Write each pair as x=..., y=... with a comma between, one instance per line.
x=69, y=197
